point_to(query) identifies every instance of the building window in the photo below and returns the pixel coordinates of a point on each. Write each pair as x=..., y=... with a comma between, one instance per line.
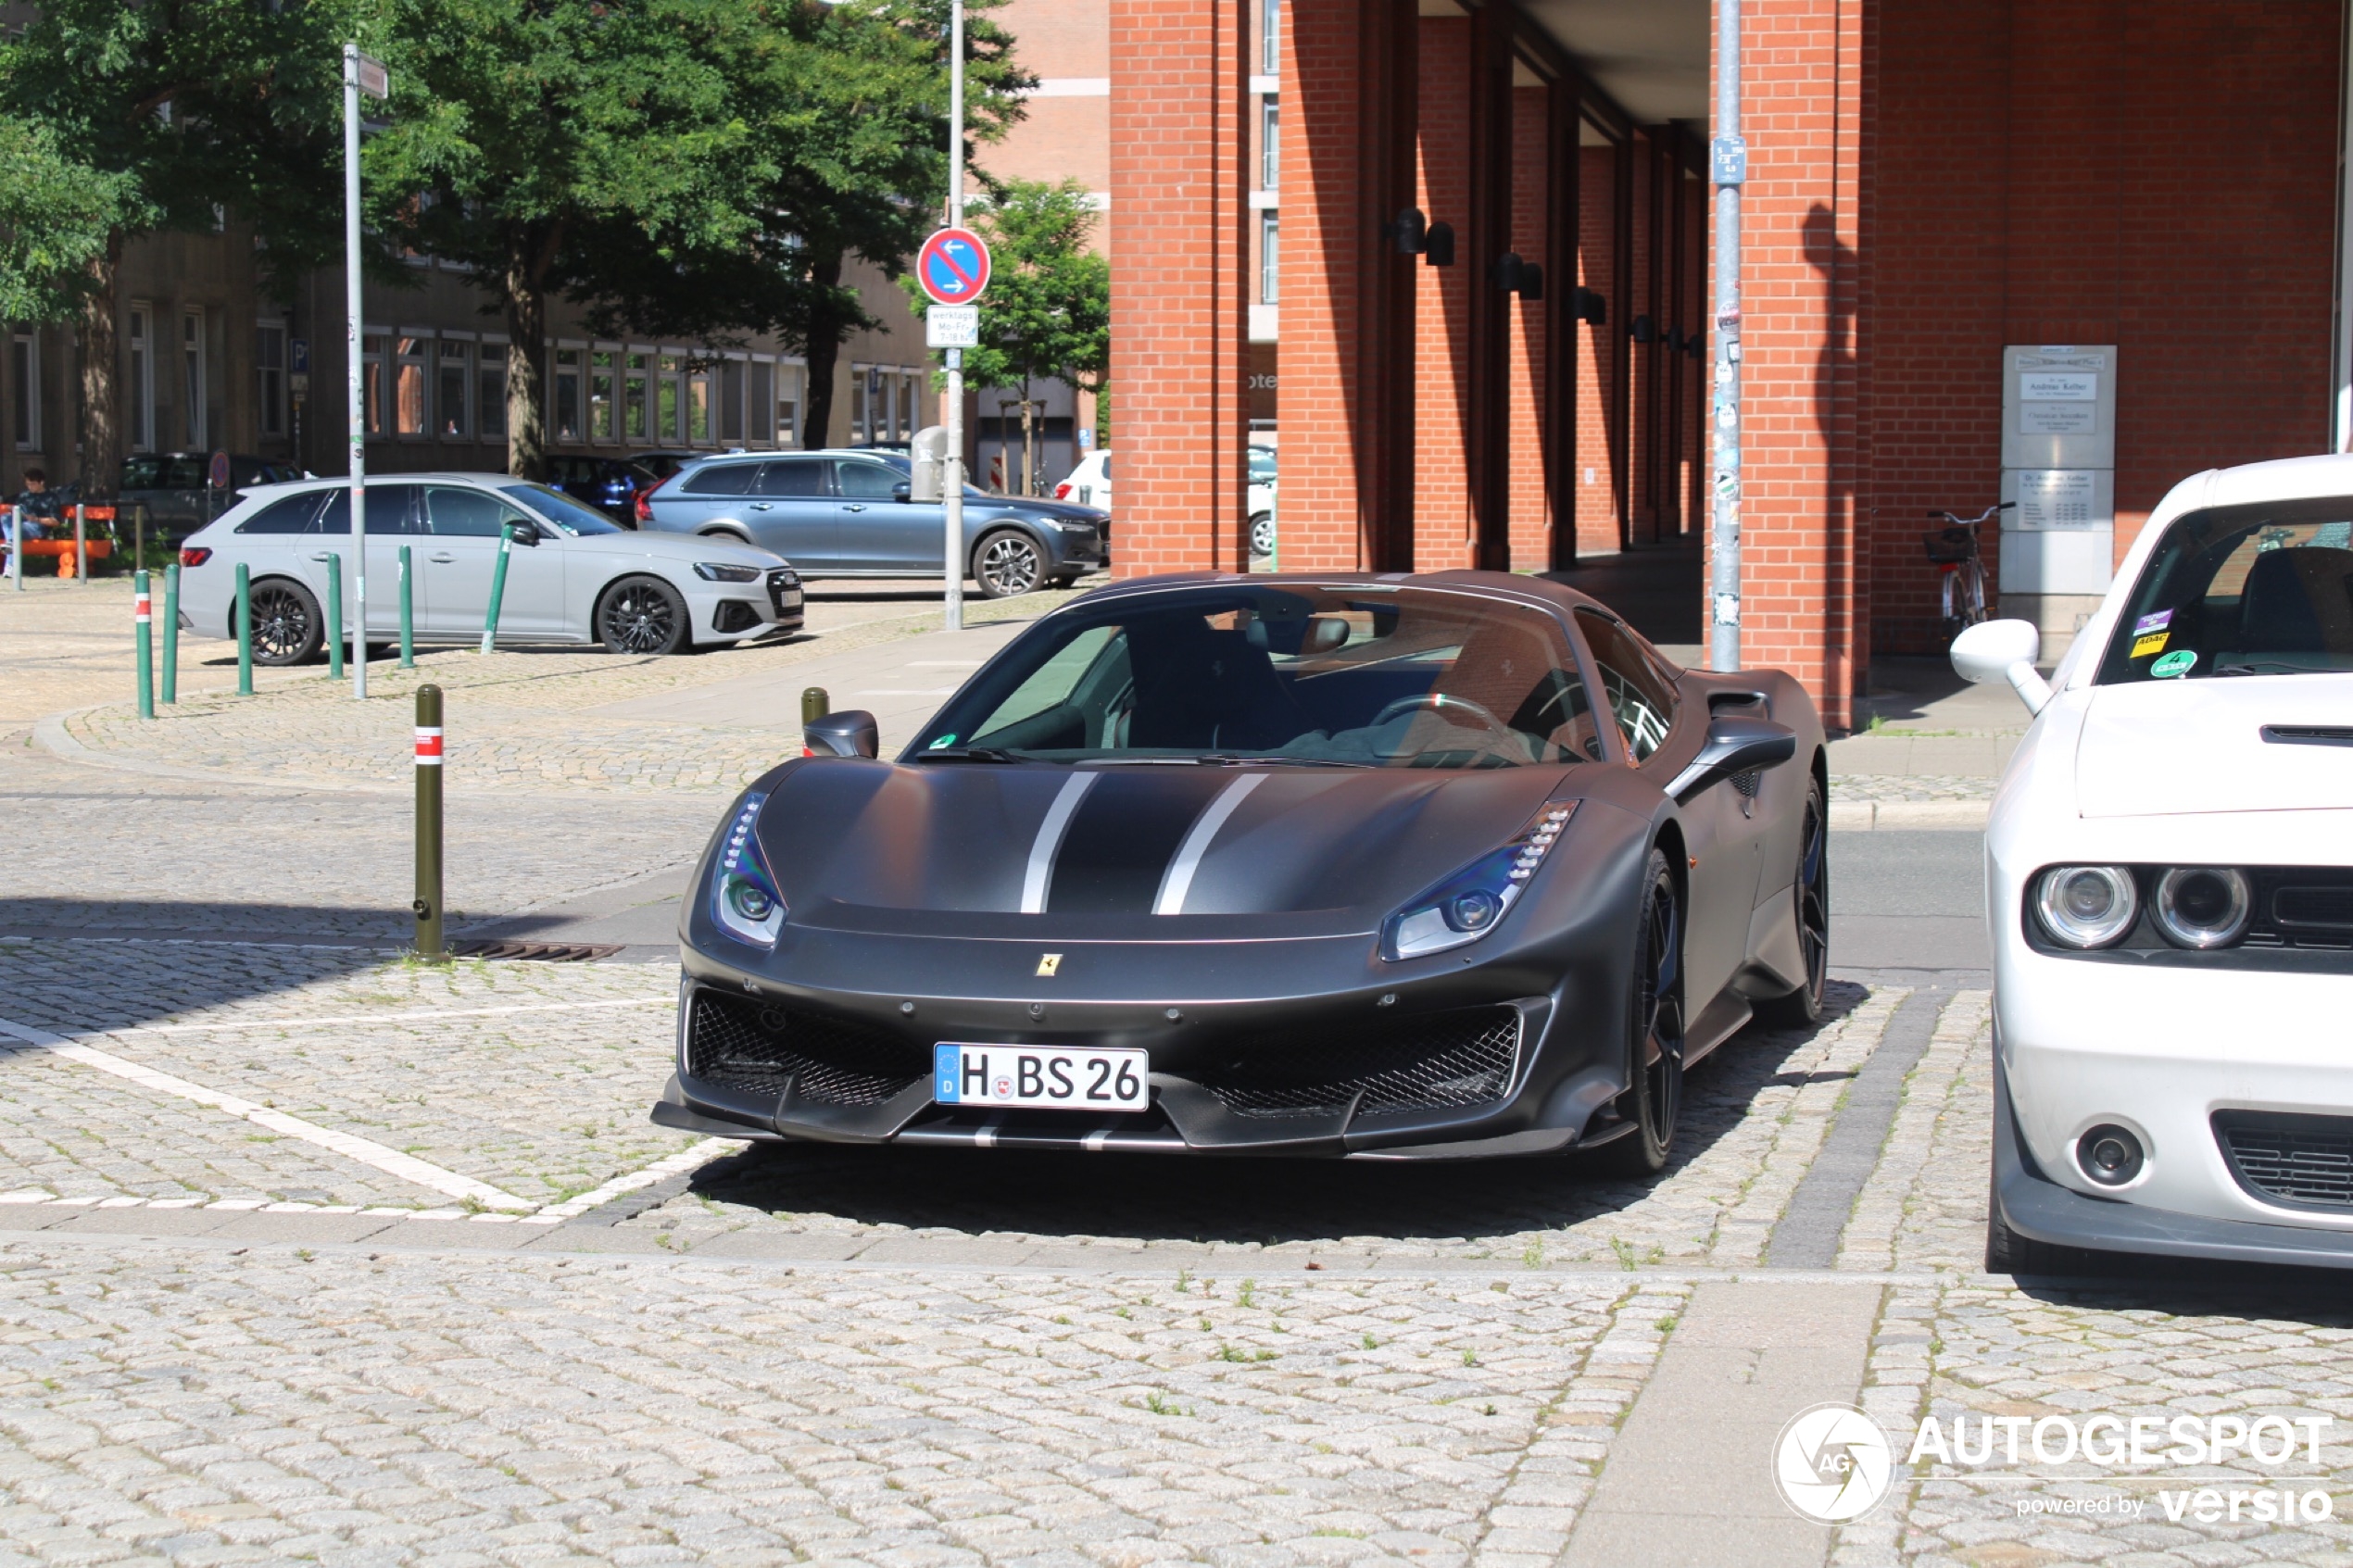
x=601, y=365
x=906, y=423
x=567, y=399
x=699, y=392
x=453, y=389
x=1270, y=250
x=191, y=380
x=1270, y=141
x=670, y=407
x=788, y=404
x=861, y=395
x=270, y=363
x=142, y=399
x=759, y=402
x=24, y=388
x=634, y=396
x=1270, y=36
x=490, y=402
x=408, y=388
x=372, y=382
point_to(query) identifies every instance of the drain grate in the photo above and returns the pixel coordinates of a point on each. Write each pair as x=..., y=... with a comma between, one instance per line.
x=535, y=952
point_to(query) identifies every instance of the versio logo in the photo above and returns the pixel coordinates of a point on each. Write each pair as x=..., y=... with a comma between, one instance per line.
x=1831, y=1463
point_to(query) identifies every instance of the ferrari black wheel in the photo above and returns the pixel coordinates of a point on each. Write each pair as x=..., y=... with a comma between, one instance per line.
x=287, y=627
x=1803, y=1008
x=643, y=615
x=1653, y=1099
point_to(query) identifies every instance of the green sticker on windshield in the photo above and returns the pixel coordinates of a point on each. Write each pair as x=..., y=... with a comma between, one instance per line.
x=943, y=740
x=2176, y=663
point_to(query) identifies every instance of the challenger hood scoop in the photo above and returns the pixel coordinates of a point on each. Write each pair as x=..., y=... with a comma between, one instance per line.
x=2239, y=744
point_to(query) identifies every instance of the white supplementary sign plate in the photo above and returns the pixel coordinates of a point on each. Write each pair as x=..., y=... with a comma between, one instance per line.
x=1041, y=1077
x=2058, y=386
x=953, y=326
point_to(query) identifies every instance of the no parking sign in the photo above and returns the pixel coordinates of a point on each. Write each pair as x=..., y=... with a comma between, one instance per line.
x=952, y=266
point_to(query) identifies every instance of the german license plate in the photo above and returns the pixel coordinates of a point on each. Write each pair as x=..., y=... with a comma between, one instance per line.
x=1041, y=1077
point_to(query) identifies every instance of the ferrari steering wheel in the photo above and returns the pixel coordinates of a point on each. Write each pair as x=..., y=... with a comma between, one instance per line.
x=1441, y=704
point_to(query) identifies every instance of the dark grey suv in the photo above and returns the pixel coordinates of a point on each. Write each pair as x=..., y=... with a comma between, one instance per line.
x=846, y=514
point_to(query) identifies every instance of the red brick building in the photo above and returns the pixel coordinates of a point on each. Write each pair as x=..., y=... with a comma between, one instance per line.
x=2152, y=187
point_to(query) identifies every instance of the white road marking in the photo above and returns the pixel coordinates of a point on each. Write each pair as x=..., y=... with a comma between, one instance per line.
x=430, y=1015
x=365, y=1150
x=685, y=1159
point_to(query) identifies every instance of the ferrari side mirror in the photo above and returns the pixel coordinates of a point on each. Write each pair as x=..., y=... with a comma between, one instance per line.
x=2002, y=650
x=850, y=733
x=1734, y=746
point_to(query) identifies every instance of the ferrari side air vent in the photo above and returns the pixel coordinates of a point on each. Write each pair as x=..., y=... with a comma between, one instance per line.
x=1442, y=1061
x=744, y=1045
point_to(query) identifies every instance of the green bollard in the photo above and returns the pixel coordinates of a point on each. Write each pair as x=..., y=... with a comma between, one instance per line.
x=334, y=617
x=245, y=630
x=171, y=633
x=143, y=616
x=407, y=615
x=428, y=905
x=497, y=589
x=814, y=705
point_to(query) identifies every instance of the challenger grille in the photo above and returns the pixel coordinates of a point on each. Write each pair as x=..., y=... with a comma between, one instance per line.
x=2299, y=1162
x=1440, y=1061
x=754, y=1047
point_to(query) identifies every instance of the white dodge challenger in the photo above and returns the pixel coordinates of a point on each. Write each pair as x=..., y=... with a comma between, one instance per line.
x=2169, y=884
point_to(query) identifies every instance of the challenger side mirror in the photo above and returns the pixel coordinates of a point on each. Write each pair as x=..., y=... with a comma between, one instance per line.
x=2002, y=650
x=1734, y=746
x=850, y=733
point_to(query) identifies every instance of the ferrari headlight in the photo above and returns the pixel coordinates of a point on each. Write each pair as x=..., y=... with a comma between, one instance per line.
x=2203, y=905
x=721, y=571
x=743, y=900
x=1473, y=901
x=2086, y=906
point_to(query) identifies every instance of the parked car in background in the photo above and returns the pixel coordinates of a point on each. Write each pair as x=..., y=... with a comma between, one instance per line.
x=577, y=578
x=610, y=485
x=171, y=486
x=847, y=513
x=1089, y=484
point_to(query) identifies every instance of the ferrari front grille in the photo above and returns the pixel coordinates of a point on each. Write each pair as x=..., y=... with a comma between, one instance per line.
x=2297, y=1161
x=738, y=1044
x=1440, y=1061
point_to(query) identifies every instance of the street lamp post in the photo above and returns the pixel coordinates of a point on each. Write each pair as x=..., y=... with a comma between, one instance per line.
x=953, y=479
x=361, y=74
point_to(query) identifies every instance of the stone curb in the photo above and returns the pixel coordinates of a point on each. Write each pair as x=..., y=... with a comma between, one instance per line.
x=1864, y=816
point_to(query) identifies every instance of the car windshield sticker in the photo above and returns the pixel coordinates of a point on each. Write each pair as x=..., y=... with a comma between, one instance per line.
x=2157, y=622
x=944, y=740
x=2148, y=645
x=2174, y=664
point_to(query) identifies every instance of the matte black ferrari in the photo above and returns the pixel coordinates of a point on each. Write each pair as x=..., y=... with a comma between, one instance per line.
x=1394, y=866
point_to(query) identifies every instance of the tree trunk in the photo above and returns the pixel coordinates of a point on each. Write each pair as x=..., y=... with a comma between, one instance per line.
x=825, y=332
x=1028, y=441
x=529, y=256
x=101, y=381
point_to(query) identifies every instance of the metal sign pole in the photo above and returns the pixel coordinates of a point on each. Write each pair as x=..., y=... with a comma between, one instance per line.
x=1728, y=156
x=953, y=481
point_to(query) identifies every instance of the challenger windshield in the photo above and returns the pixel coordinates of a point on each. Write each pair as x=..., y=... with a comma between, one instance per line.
x=1339, y=675
x=2242, y=591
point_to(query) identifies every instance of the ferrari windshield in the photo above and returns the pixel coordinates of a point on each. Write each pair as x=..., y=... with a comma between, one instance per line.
x=1362, y=676
x=2242, y=591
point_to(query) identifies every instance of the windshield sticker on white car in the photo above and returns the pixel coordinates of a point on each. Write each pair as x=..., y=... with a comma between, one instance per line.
x=2174, y=664
x=2157, y=622
x=2148, y=645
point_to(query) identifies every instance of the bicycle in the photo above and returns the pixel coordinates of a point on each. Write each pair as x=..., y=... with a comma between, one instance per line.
x=1954, y=550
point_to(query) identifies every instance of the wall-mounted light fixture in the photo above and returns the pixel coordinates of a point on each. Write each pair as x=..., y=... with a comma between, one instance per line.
x=1589, y=306
x=1409, y=231
x=1438, y=245
x=1532, y=282
x=1643, y=329
x=1506, y=272
x=1696, y=346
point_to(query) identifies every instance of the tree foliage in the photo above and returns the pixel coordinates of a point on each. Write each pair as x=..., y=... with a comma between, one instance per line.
x=59, y=215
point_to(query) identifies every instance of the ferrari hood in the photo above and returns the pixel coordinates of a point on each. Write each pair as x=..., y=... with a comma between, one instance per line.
x=1132, y=850
x=2276, y=743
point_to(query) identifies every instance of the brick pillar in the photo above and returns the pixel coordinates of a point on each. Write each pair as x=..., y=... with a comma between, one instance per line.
x=1600, y=400
x=1443, y=537
x=1347, y=396
x=1531, y=462
x=1179, y=91
x=1804, y=609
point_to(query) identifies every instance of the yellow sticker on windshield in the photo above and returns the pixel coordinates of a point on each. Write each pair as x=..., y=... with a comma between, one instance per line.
x=2148, y=645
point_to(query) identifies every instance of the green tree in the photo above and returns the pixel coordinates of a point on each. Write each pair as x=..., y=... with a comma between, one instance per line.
x=118, y=120
x=568, y=146
x=847, y=105
x=1046, y=314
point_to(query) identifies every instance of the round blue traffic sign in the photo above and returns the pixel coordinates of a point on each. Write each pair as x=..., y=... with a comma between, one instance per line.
x=953, y=267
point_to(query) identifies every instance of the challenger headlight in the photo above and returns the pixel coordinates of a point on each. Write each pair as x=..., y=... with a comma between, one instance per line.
x=1471, y=903
x=720, y=571
x=2086, y=906
x=2203, y=905
x=743, y=900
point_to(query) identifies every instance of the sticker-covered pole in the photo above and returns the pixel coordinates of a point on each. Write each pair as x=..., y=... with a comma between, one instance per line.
x=1728, y=154
x=428, y=903
x=142, y=619
x=953, y=481
x=355, y=428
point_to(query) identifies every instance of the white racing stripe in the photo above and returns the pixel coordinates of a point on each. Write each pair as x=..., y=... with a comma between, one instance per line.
x=365, y=1150
x=1048, y=841
x=1178, y=879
